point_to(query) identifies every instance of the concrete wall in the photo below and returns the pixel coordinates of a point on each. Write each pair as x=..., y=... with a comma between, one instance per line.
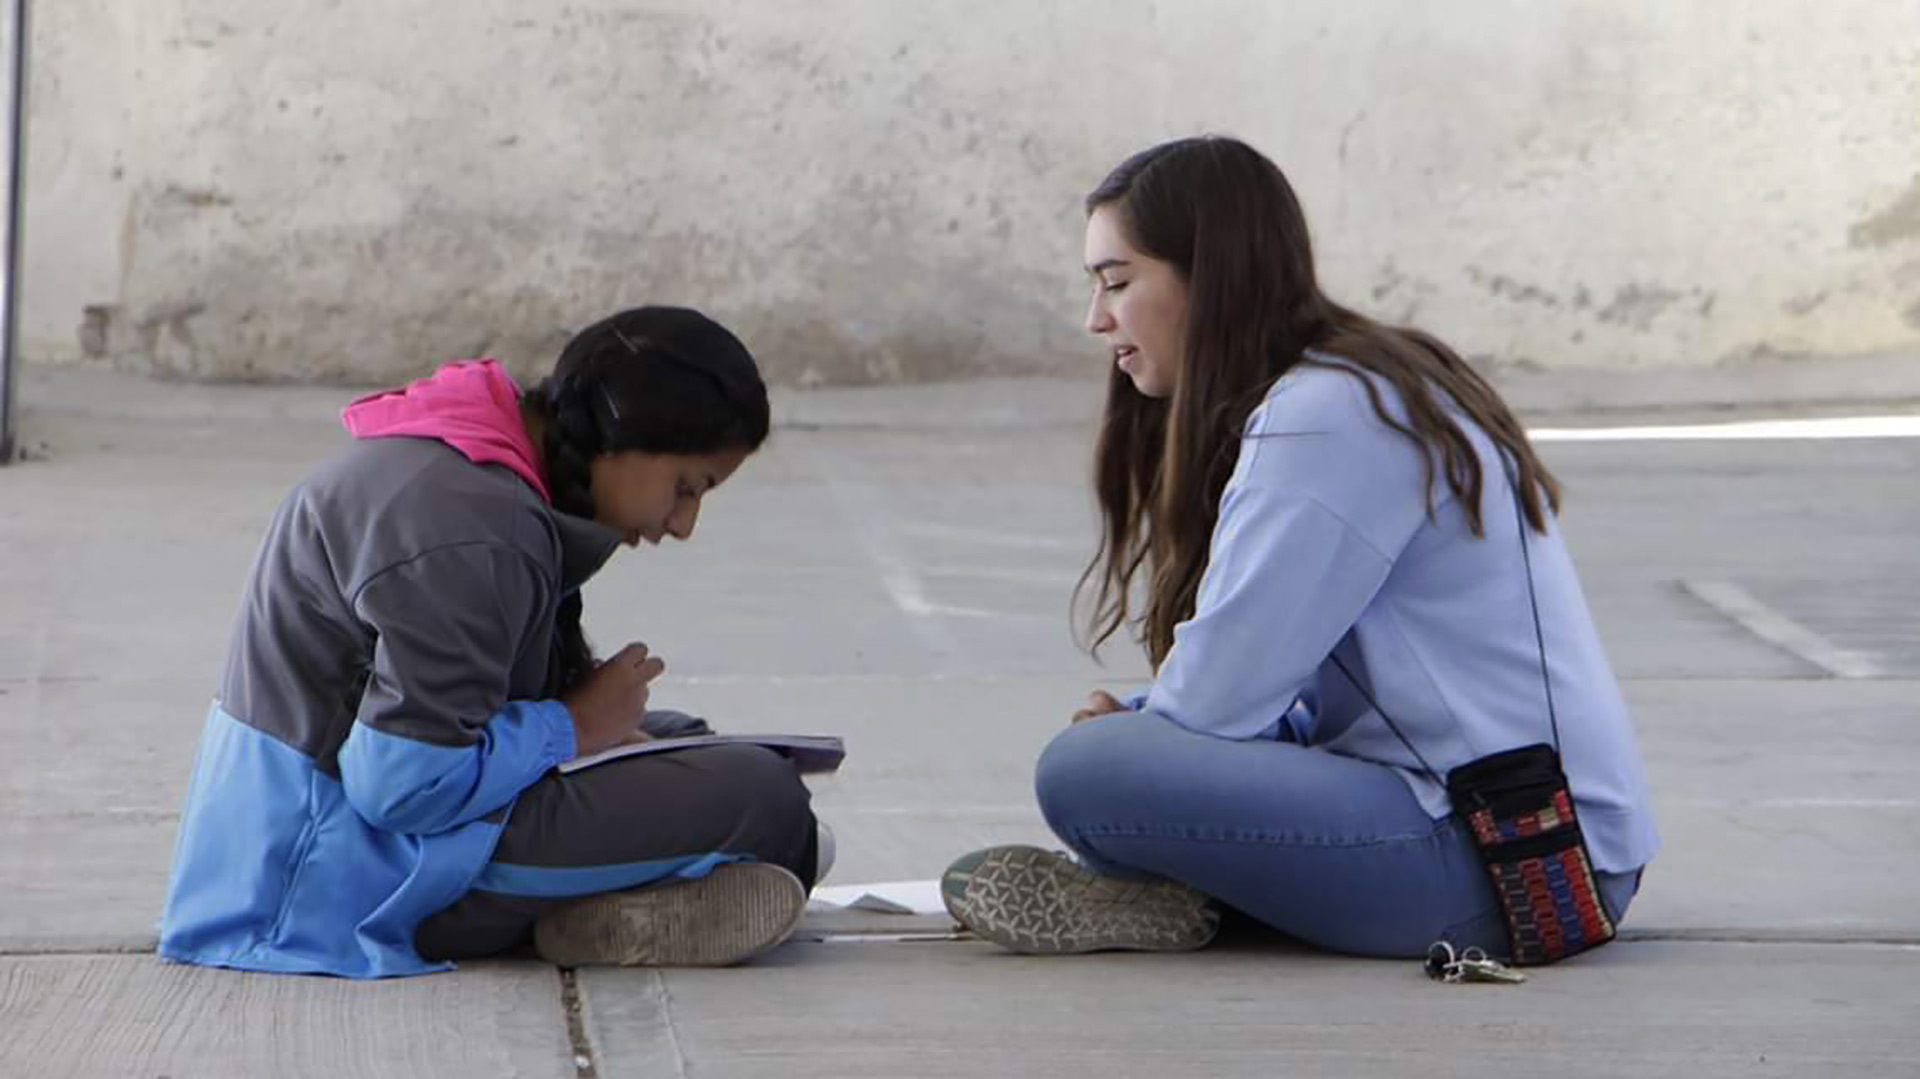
x=883, y=189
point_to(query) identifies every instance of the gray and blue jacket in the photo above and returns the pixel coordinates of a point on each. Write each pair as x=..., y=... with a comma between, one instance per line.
x=388, y=692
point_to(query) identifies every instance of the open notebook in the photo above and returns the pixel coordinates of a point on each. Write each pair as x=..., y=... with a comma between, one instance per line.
x=810, y=753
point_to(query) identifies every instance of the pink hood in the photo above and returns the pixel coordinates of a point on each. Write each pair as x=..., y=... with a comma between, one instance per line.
x=471, y=405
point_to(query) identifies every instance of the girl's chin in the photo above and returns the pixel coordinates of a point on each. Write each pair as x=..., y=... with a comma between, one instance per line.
x=1147, y=387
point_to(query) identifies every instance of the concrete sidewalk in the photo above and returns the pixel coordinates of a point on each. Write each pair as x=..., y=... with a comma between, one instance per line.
x=895, y=568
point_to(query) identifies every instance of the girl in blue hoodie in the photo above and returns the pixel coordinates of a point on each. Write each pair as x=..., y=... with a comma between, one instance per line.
x=1324, y=518
x=375, y=791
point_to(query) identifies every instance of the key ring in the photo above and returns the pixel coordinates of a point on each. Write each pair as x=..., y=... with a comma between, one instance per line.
x=1472, y=964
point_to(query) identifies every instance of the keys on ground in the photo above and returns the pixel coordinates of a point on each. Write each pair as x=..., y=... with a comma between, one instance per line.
x=1472, y=965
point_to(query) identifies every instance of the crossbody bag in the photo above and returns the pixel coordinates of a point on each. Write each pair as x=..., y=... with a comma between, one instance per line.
x=1518, y=807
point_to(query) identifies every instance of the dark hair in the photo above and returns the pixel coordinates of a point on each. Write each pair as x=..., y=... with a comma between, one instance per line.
x=1227, y=220
x=655, y=379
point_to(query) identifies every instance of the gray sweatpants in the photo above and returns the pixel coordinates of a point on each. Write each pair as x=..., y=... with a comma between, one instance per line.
x=626, y=824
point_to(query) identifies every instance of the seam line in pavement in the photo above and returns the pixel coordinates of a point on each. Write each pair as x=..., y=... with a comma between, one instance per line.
x=664, y=997
x=1629, y=935
x=573, y=1006
x=1710, y=935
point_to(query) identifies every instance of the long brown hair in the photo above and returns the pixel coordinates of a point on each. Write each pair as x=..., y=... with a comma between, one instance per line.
x=1227, y=220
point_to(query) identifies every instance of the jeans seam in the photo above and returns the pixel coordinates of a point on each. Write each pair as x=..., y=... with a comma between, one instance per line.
x=1286, y=839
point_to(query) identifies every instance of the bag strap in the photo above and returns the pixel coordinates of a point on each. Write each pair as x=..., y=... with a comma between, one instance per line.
x=1391, y=725
x=1539, y=637
x=1533, y=599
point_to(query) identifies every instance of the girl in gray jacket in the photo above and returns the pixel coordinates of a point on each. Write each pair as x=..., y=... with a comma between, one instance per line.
x=375, y=792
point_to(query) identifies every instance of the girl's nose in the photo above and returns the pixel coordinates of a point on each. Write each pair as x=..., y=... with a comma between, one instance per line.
x=680, y=525
x=1098, y=320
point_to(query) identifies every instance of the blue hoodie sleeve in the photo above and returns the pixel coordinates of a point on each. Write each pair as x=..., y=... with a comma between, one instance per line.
x=436, y=743
x=1321, y=502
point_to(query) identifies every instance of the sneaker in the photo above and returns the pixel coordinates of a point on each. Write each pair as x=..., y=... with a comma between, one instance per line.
x=1044, y=903
x=737, y=911
x=828, y=848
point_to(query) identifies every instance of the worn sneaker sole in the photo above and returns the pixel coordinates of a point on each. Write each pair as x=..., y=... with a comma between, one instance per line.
x=1038, y=902
x=732, y=914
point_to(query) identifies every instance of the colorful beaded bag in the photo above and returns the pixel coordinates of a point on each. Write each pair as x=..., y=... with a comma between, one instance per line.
x=1520, y=810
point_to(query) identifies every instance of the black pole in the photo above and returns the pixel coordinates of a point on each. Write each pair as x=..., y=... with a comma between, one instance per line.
x=16, y=219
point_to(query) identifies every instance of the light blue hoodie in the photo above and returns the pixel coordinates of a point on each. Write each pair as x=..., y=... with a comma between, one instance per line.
x=1324, y=547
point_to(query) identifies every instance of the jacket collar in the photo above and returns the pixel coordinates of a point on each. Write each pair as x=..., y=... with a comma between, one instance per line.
x=585, y=546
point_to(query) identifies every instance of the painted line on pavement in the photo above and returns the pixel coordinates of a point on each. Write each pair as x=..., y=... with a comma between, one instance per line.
x=1833, y=427
x=1762, y=621
x=1803, y=802
x=862, y=509
x=992, y=539
x=1060, y=580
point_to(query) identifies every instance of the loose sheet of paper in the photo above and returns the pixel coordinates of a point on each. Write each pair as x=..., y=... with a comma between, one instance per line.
x=891, y=897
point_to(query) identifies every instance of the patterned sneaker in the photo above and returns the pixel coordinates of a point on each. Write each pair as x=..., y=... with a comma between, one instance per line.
x=1043, y=903
x=737, y=911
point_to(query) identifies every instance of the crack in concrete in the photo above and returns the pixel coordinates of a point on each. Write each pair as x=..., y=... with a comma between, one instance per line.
x=574, y=1007
x=665, y=997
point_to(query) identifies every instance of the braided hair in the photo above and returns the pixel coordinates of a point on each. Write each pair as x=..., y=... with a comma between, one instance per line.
x=654, y=379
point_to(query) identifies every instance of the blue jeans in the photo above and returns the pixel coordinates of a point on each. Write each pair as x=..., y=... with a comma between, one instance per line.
x=1329, y=849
